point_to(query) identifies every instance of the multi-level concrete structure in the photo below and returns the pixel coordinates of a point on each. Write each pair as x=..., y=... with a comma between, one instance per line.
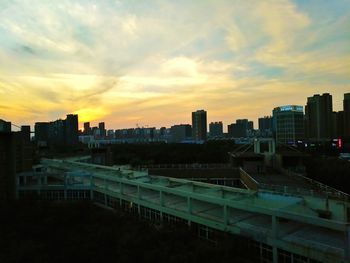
x=285, y=227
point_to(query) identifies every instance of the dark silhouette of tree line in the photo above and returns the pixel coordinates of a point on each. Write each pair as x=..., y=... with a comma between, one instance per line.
x=161, y=153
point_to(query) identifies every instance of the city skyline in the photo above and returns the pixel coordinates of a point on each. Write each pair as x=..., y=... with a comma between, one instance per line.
x=129, y=63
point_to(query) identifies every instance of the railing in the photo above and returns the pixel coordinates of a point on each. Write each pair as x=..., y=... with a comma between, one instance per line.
x=247, y=180
x=185, y=166
x=320, y=188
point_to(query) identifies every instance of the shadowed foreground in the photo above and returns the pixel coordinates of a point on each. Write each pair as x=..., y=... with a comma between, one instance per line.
x=81, y=232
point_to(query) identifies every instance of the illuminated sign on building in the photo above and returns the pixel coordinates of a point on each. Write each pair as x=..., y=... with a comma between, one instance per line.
x=291, y=108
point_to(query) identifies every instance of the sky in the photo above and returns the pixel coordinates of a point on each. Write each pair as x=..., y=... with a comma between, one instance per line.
x=151, y=63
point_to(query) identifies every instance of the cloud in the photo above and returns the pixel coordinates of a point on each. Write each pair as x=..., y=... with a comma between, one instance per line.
x=128, y=62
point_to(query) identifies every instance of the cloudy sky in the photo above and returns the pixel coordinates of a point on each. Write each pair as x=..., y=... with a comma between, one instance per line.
x=154, y=62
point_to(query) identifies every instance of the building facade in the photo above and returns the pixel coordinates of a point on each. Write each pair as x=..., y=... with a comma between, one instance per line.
x=318, y=117
x=265, y=126
x=216, y=129
x=180, y=133
x=240, y=129
x=58, y=133
x=102, y=128
x=346, y=107
x=288, y=123
x=199, y=125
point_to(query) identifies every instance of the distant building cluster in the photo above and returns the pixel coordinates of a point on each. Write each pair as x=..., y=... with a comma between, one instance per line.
x=288, y=124
x=57, y=133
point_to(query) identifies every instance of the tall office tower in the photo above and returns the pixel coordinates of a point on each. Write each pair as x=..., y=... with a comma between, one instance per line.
x=265, y=126
x=87, y=128
x=318, y=117
x=288, y=123
x=199, y=125
x=72, y=130
x=216, y=129
x=102, y=128
x=346, y=107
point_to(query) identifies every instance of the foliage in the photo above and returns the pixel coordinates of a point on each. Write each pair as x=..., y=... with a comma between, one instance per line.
x=160, y=153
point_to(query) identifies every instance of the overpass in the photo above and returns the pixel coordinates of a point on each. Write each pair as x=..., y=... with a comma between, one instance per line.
x=285, y=227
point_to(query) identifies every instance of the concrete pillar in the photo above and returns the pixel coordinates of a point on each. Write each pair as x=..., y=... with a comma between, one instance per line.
x=255, y=146
x=161, y=198
x=226, y=222
x=273, y=143
x=138, y=193
x=121, y=188
x=189, y=209
x=275, y=228
x=189, y=205
x=258, y=146
x=274, y=254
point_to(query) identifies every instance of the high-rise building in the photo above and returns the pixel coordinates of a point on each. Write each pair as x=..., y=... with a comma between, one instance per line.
x=5, y=126
x=16, y=155
x=346, y=107
x=87, y=128
x=288, y=123
x=59, y=132
x=265, y=126
x=216, y=129
x=339, y=124
x=102, y=128
x=25, y=130
x=180, y=133
x=318, y=117
x=41, y=131
x=240, y=129
x=7, y=164
x=72, y=129
x=199, y=125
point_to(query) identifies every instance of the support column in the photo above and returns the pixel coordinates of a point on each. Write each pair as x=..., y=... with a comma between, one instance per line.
x=226, y=222
x=161, y=203
x=189, y=209
x=275, y=228
x=273, y=143
x=255, y=146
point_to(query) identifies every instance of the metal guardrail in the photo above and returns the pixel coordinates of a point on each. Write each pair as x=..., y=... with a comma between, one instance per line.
x=185, y=166
x=321, y=189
